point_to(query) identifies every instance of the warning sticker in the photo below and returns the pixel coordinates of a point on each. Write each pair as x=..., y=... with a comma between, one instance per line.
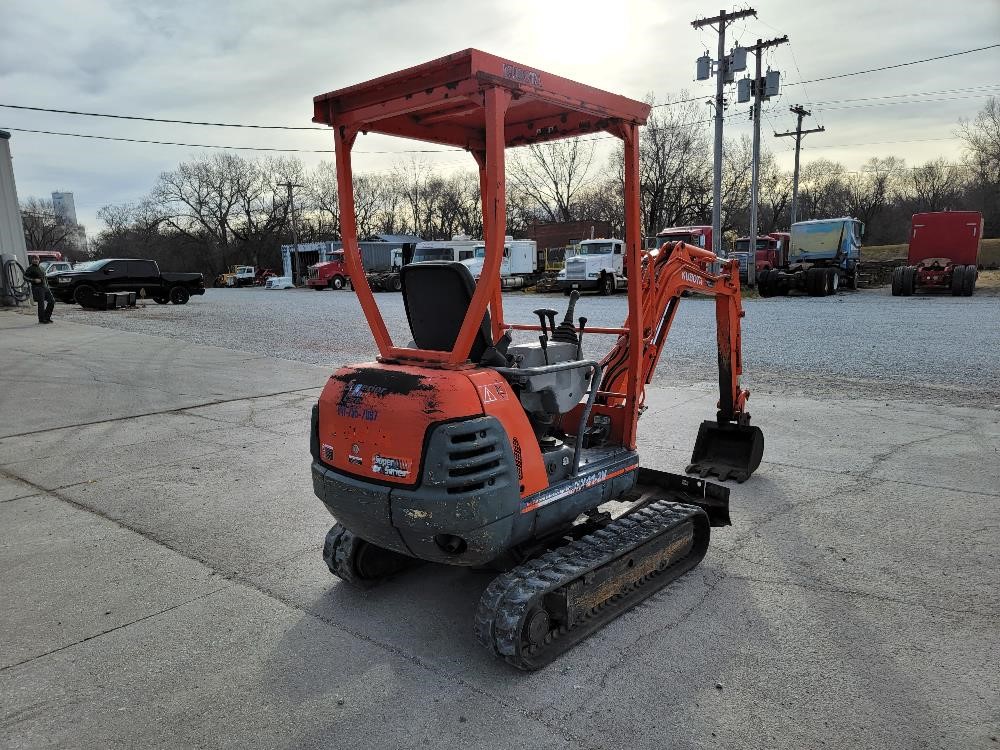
x=494, y=392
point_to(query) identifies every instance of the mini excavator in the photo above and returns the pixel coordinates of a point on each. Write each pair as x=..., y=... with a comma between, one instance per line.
x=466, y=448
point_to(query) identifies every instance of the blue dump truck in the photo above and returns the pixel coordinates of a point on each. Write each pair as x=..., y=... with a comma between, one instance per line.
x=822, y=255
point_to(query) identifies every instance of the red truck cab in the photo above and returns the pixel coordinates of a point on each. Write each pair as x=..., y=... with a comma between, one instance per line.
x=943, y=254
x=772, y=250
x=699, y=236
x=328, y=274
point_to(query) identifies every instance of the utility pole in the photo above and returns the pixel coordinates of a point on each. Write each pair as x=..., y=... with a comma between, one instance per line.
x=295, y=237
x=758, y=97
x=799, y=133
x=722, y=71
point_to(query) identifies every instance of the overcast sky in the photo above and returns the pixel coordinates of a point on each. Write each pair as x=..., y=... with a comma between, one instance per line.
x=262, y=62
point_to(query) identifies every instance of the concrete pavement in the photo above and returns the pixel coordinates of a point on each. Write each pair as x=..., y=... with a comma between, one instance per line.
x=159, y=558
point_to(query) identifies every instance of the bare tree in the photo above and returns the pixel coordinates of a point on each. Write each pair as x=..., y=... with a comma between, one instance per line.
x=935, y=186
x=982, y=142
x=822, y=190
x=775, y=196
x=324, y=203
x=604, y=201
x=674, y=167
x=982, y=157
x=736, y=170
x=871, y=189
x=552, y=175
x=44, y=230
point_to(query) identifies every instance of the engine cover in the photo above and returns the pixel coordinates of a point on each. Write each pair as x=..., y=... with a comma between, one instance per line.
x=374, y=420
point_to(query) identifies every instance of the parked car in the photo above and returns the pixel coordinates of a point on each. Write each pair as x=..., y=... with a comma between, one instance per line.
x=55, y=266
x=126, y=275
x=279, y=282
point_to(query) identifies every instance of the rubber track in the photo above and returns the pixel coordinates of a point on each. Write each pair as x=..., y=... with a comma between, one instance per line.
x=509, y=598
x=338, y=554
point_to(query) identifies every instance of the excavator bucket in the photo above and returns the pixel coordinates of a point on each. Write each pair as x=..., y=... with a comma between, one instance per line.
x=731, y=451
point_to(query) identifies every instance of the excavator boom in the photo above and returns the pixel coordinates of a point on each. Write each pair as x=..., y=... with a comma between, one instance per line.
x=728, y=446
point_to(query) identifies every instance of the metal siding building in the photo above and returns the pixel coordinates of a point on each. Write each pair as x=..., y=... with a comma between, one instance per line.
x=11, y=229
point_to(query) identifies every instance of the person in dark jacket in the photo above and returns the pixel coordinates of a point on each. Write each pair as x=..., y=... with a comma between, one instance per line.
x=35, y=275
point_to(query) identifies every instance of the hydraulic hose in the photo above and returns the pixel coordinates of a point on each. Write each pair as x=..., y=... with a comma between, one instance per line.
x=18, y=285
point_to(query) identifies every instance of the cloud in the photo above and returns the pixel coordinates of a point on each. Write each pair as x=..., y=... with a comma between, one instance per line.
x=261, y=62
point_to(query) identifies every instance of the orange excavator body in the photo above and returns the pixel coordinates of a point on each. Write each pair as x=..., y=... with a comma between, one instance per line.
x=466, y=448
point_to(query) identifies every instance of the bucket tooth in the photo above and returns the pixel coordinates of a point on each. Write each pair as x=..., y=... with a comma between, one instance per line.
x=730, y=451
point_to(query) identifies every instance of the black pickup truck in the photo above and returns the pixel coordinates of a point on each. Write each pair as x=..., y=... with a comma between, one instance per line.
x=126, y=275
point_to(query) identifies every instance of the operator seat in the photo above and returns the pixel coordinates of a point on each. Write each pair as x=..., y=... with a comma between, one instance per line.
x=436, y=295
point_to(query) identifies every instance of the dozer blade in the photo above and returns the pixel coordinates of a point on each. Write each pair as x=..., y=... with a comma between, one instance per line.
x=731, y=451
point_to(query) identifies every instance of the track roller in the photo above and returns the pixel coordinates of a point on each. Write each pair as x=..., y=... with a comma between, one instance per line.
x=537, y=611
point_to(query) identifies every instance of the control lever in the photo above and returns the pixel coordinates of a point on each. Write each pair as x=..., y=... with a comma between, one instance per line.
x=541, y=319
x=543, y=339
x=579, y=339
x=566, y=333
x=552, y=322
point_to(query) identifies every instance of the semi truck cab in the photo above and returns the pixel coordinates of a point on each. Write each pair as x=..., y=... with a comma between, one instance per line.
x=772, y=251
x=698, y=236
x=597, y=265
x=243, y=276
x=330, y=274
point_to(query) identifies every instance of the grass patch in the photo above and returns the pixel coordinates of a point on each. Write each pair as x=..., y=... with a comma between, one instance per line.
x=989, y=253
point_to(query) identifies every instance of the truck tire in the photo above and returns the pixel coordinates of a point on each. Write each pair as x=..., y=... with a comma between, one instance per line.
x=816, y=282
x=832, y=279
x=971, y=274
x=179, y=295
x=909, y=281
x=337, y=282
x=83, y=294
x=607, y=287
x=765, y=286
x=897, y=281
x=395, y=284
x=957, y=280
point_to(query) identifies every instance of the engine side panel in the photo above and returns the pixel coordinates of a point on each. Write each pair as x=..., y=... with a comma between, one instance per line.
x=499, y=400
x=373, y=418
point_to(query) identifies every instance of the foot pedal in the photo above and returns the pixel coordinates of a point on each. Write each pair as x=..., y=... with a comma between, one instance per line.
x=730, y=451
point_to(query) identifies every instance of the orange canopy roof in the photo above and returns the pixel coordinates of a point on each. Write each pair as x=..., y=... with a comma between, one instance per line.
x=441, y=101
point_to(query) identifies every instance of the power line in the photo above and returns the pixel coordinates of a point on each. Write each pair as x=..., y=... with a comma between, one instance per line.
x=162, y=119
x=232, y=148
x=910, y=101
x=874, y=101
x=897, y=65
x=880, y=143
x=454, y=151
x=679, y=101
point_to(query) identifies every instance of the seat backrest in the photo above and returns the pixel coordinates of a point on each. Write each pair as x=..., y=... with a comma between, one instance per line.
x=436, y=295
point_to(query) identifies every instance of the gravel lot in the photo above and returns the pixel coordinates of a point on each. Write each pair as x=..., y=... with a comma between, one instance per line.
x=868, y=342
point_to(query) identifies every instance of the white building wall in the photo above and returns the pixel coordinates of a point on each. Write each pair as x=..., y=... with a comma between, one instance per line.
x=11, y=229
